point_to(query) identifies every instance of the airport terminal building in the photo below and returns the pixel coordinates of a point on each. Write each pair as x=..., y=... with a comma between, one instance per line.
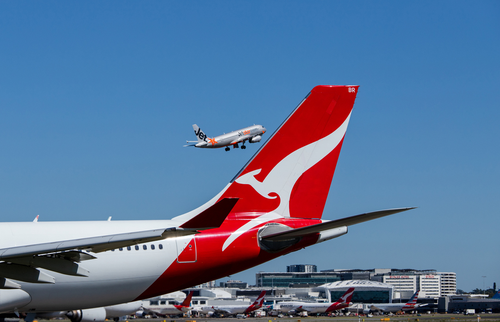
x=404, y=282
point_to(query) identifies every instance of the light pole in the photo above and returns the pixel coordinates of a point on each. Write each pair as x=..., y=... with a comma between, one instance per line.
x=484, y=291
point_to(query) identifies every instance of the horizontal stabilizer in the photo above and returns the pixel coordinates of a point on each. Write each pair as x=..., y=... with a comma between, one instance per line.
x=213, y=216
x=348, y=221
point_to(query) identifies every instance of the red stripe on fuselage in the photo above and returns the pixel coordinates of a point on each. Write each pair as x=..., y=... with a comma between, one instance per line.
x=213, y=263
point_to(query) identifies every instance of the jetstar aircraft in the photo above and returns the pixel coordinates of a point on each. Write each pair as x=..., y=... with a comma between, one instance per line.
x=252, y=134
x=343, y=302
x=272, y=207
x=234, y=309
x=170, y=309
x=394, y=307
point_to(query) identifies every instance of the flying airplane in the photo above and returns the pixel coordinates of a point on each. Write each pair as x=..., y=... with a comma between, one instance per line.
x=170, y=309
x=394, y=307
x=234, y=309
x=252, y=134
x=343, y=302
x=272, y=207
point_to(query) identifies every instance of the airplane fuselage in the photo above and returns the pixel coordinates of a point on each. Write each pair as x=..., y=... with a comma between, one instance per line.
x=311, y=307
x=144, y=270
x=232, y=138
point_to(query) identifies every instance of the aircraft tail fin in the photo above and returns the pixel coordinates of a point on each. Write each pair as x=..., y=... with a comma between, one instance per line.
x=187, y=300
x=200, y=135
x=346, y=298
x=259, y=301
x=497, y=295
x=412, y=302
x=292, y=172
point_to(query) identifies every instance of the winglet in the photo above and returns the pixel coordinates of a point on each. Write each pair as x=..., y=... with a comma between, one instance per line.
x=213, y=216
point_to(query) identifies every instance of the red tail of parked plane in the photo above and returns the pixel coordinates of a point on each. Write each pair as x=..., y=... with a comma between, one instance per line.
x=257, y=304
x=343, y=302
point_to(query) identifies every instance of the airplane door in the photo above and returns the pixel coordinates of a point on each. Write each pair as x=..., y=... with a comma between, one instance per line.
x=186, y=249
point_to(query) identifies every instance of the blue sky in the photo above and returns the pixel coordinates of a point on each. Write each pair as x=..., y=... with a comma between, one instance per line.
x=98, y=98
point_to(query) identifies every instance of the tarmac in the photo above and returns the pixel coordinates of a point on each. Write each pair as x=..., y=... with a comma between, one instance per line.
x=395, y=318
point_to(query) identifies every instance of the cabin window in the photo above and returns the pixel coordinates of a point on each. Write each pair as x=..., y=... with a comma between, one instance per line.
x=129, y=248
x=120, y=249
x=152, y=246
x=136, y=247
x=144, y=247
x=160, y=246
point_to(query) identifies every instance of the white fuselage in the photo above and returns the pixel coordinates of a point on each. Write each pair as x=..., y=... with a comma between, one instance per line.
x=305, y=306
x=117, y=276
x=232, y=138
x=224, y=309
x=384, y=307
x=287, y=307
x=165, y=309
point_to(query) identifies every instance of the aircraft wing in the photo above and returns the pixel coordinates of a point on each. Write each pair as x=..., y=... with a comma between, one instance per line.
x=221, y=310
x=348, y=221
x=96, y=244
x=300, y=309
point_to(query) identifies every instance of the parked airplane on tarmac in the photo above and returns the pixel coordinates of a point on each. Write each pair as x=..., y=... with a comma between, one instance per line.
x=252, y=134
x=233, y=309
x=393, y=307
x=272, y=207
x=169, y=309
x=343, y=302
x=98, y=314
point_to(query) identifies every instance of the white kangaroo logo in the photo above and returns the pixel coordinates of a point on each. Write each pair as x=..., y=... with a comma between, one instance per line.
x=283, y=176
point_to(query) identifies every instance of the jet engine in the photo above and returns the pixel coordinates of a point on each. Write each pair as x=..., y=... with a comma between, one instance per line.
x=116, y=311
x=11, y=300
x=255, y=139
x=87, y=315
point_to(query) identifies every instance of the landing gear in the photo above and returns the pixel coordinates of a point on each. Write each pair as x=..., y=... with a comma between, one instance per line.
x=243, y=147
x=235, y=146
x=227, y=148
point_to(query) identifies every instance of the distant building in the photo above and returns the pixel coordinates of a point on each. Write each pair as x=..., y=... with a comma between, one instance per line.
x=294, y=279
x=365, y=291
x=233, y=284
x=432, y=284
x=304, y=268
x=460, y=303
x=210, y=284
x=405, y=282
